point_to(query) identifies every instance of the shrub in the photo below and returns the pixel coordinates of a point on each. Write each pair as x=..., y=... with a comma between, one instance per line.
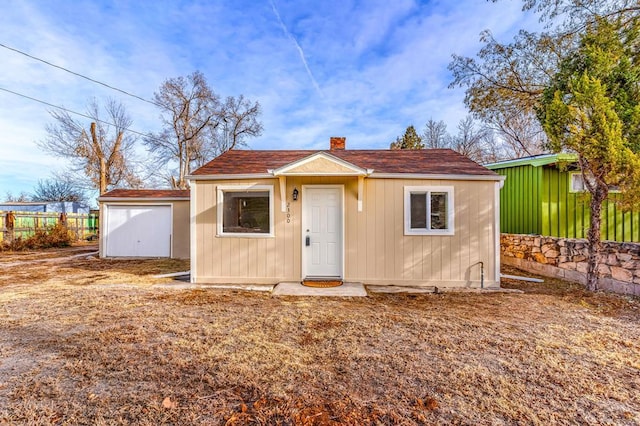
x=55, y=236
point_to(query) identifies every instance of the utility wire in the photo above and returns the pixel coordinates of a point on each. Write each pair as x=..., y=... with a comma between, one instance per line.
x=147, y=136
x=82, y=76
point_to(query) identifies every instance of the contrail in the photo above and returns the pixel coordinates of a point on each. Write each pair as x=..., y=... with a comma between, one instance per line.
x=300, y=51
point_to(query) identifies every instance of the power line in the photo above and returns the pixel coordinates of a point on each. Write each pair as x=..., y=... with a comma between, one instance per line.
x=76, y=113
x=81, y=75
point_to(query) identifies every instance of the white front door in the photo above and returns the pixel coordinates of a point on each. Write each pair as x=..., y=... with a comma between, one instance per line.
x=322, y=231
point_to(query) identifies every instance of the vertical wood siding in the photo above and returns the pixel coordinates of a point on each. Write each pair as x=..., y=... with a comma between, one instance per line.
x=537, y=200
x=376, y=249
x=520, y=200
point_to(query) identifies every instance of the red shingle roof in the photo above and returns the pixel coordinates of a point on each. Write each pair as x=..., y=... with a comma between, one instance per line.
x=147, y=193
x=423, y=161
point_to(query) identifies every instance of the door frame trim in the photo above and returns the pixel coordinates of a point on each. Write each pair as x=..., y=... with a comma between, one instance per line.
x=106, y=222
x=303, y=256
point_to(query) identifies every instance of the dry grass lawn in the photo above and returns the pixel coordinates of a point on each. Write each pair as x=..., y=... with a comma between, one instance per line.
x=76, y=350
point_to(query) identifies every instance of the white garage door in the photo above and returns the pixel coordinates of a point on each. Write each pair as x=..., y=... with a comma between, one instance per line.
x=139, y=231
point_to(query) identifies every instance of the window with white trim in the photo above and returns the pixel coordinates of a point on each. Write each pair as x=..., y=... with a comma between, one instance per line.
x=576, y=183
x=245, y=210
x=428, y=210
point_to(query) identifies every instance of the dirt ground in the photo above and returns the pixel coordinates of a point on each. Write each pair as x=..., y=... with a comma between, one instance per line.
x=90, y=341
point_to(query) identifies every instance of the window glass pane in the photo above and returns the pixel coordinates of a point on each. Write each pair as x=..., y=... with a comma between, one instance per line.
x=418, y=210
x=577, y=183
x=439, y=210
x=246, y=212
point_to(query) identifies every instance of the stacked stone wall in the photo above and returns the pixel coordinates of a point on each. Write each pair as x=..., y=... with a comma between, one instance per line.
x=619, y=263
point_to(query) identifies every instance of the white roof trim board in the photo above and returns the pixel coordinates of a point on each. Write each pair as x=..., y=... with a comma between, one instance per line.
x=371, y=176
x=138, y=199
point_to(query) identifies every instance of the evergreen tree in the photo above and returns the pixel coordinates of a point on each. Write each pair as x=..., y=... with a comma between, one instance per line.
x=410, y=140
x=592, y=108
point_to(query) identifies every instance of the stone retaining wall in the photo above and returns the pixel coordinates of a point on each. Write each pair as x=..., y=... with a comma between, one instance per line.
x=619, y=269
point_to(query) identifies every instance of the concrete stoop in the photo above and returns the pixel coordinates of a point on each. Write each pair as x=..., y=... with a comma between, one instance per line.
x=297, y=289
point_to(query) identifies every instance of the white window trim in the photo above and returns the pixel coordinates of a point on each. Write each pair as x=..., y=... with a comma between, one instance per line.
x=243, y=188
x=408, y=190
x=572, y=190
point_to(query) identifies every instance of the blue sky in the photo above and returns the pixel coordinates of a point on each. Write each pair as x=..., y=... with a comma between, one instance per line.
x=361, y=69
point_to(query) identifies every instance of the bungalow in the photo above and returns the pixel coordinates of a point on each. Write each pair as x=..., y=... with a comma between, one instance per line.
x=380, y=217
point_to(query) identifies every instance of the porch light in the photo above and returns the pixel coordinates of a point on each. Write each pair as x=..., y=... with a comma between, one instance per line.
x=295, y=194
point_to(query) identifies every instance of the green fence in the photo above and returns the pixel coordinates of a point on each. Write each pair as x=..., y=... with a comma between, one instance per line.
x=24, y=224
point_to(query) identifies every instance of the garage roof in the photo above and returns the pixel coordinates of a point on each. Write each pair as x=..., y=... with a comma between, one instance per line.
x=145, y=194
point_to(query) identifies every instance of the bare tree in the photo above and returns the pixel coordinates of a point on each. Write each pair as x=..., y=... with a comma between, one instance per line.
x=521, y=134
x=198, y=126
x=472, y=141
x=190, y=109
x=58, y=190
x=240, y=118
x=435, y=134
x=103, y=154
x=20, y=198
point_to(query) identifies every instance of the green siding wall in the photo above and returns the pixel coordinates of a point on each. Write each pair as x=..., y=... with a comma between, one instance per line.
x=520, y=200
x=564, y=214
x=536, y=200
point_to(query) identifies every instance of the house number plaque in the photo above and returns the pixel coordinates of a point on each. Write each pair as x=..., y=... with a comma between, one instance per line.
x=288, y=212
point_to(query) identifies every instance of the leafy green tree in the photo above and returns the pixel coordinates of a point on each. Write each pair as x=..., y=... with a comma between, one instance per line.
x=592, y=108
x=580, y=79
x=505, y=82
x=410, y=140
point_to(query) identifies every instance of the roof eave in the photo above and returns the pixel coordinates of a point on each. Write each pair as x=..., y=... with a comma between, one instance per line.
x=138, y=199
x=438, y=176
x=536, y=161
x=231, y=176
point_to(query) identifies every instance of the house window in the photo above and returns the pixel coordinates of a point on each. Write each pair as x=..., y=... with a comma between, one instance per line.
x=245, y=210
x=576, y=183
x=428, y=210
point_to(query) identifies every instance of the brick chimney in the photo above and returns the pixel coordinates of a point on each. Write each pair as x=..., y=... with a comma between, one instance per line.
x=336, y=143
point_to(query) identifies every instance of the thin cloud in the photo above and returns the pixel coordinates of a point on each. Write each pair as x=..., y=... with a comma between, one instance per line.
x=297, y=45
x=382, y=67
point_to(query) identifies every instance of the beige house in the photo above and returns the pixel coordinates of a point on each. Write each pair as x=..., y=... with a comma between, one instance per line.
x=144, y=223
x=379, y=217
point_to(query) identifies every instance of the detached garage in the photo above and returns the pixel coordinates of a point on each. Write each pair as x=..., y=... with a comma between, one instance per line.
x=144, y=223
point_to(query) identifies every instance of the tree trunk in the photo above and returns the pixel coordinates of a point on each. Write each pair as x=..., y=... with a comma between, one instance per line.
x=597, y=198
x=103, y=163
x=103, y=176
